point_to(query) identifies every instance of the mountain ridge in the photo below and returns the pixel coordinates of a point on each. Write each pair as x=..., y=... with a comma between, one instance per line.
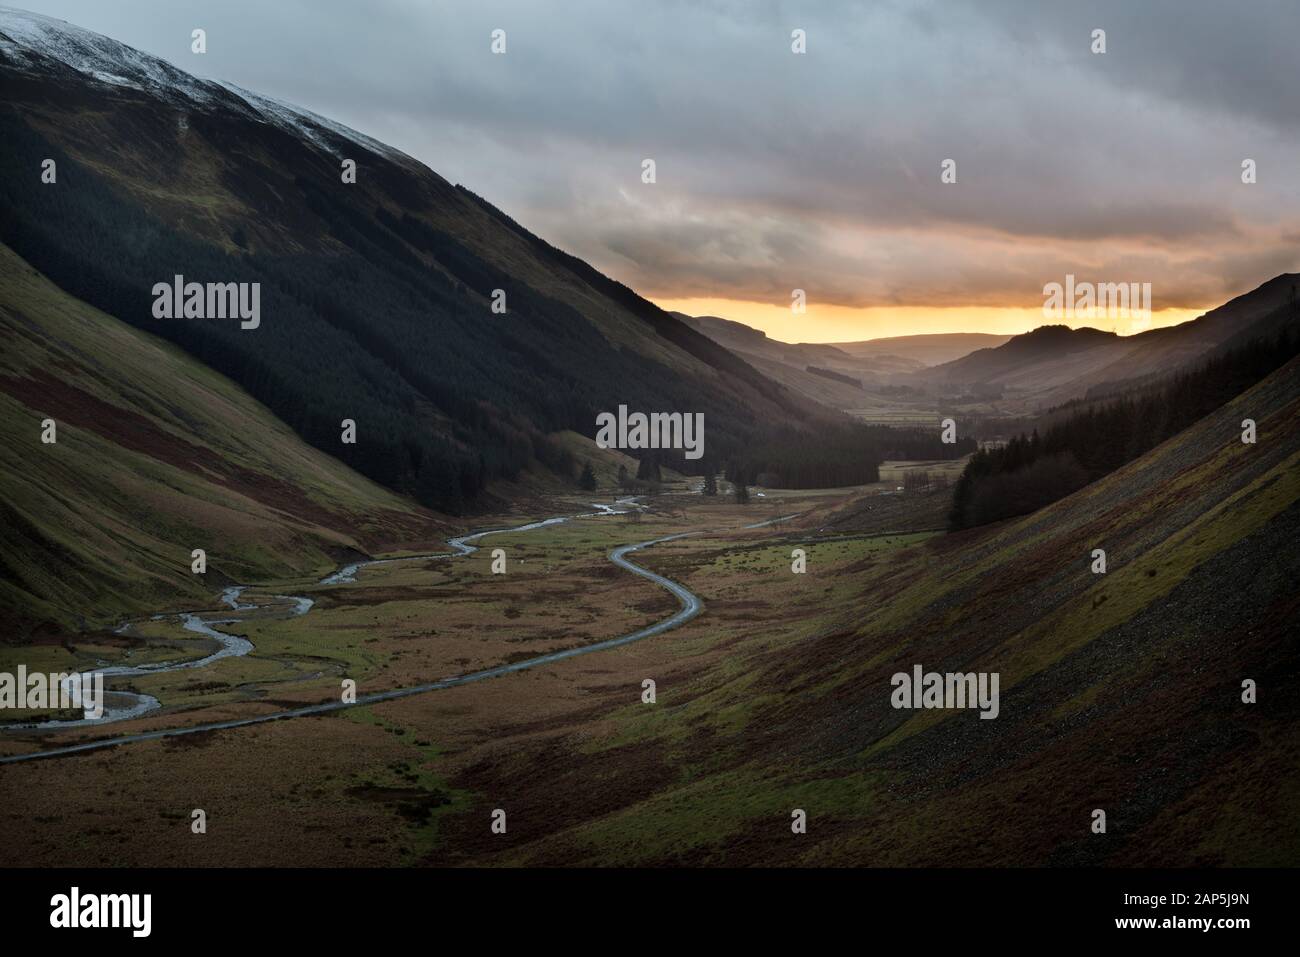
x=1063, y=363
x=379, y=293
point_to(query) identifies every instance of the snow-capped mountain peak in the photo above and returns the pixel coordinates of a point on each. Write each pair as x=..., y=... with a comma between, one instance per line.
x=37, y=44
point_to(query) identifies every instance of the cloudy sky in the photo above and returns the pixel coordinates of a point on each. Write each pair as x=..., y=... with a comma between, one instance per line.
x=819, y=171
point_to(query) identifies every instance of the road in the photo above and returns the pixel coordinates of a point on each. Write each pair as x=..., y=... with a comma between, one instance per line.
x=690, y=607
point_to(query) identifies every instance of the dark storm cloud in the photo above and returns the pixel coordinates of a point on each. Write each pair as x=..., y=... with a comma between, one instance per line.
x=819, y=171
x=1234, y=58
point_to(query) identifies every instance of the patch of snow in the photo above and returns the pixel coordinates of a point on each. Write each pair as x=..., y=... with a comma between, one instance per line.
x=111, y=78
x=32, y=42
x=308, y=125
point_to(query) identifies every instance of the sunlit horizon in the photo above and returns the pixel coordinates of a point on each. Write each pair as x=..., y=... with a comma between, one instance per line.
x=822, y=323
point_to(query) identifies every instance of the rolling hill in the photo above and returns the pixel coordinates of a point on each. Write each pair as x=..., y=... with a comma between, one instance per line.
x=929, y=349
x=789, y=363
x=1053, y=364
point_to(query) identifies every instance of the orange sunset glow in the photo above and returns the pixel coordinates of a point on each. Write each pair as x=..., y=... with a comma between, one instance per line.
x=832, y=323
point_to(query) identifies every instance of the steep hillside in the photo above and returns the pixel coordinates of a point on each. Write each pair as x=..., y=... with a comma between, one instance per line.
x=1120, y=692
x=376, y=294
x=155, y=455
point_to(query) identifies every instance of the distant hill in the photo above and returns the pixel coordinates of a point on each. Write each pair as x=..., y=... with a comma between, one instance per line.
x=1085, y=441
x=1053, y=364
x=741, y=338
x=1026, y=360
x=788, y=363
x=1259, y=312
x=929, y=349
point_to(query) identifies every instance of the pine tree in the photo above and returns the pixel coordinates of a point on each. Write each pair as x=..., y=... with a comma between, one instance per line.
x=710, y=484
x=742, y=495
x=587, y=481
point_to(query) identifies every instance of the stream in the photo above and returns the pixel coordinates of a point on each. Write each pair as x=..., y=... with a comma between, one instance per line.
x=124, y=705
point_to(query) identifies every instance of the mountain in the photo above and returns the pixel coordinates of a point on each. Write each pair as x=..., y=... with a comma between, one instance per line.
x=376, y=295
x=154, y=455
x=1053, y=364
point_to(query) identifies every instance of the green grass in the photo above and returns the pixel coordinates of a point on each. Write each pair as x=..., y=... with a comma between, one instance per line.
x=96, y=529
x=430, y=797
x=705, y=815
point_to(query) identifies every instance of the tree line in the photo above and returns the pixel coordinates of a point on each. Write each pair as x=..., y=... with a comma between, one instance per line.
x=1033, y=470
x=830, y=459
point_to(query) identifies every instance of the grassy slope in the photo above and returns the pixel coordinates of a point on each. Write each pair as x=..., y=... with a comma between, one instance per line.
x=156, y=455
x=1119, y=692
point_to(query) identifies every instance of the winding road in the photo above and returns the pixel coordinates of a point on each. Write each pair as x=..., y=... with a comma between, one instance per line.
x=235, y=645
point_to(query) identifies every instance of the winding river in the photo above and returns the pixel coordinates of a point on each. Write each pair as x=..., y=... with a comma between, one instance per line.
x=127, y=704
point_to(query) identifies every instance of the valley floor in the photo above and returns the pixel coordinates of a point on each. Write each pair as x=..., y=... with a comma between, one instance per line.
x=402, y=624
x=1119, y=692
